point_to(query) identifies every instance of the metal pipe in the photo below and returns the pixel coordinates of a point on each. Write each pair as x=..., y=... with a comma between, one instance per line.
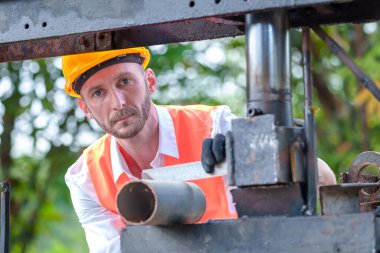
x=268, y=66
x=311, y=150
x=4, y=205
x=148, y=202
x=341, y=54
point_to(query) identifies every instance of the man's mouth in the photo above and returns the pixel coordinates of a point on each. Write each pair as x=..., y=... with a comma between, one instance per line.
x=123, y=115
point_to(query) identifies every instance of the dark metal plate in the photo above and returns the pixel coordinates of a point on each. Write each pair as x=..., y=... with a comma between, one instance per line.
x=269, y=200
x=262, y=156
x=347, y=233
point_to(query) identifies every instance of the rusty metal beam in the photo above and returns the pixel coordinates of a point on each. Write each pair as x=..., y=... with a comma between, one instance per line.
x=140, y=36
x=54, y=28
x=41, y=19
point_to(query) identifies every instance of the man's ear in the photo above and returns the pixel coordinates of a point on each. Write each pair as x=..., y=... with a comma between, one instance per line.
x=150, y=80
x=82, y=105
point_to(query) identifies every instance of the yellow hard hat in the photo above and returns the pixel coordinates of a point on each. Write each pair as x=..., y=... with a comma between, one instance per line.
x=75, y=66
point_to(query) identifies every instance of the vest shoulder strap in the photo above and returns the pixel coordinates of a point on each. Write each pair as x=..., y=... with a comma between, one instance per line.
x=99, y=164
x=192, y=124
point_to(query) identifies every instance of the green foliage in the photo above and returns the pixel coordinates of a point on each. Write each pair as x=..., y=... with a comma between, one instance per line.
x=43, y=132
x=35, y=152
x=343, y=130
x=202, y=72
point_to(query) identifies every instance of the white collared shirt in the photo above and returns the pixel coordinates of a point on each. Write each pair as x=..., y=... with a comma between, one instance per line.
x=101, y=226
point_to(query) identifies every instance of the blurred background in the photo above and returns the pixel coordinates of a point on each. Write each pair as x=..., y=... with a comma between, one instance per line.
x=42, y=131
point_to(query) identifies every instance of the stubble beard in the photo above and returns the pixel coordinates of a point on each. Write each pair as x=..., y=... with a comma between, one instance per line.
x=134, y=128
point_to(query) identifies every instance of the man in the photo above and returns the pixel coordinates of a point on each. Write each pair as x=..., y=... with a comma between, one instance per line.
x=114, y=88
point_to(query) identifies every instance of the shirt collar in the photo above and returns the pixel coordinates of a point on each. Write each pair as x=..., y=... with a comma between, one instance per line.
x=167, y=144
x=167, y=140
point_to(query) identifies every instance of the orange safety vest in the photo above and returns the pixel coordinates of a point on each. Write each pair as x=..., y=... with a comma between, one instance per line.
x=192, y=124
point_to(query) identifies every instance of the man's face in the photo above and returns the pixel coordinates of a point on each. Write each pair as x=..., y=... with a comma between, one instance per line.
x=118, y=98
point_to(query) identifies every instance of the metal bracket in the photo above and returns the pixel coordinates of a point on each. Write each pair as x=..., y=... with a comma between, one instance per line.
x=261, y=152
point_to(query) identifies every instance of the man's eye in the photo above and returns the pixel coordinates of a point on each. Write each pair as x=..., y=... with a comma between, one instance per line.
x=125, y=81
x=97, y=93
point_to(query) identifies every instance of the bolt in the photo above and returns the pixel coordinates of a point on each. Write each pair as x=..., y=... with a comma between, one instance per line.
x=254, y=112
x=83, y=42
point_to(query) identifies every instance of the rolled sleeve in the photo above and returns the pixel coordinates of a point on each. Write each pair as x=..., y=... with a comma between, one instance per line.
x=221, y=117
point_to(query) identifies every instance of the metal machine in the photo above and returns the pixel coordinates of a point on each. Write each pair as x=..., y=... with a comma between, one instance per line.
x=273, y=168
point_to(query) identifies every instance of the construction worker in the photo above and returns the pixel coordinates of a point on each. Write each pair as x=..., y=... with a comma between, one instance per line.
x=114, y=88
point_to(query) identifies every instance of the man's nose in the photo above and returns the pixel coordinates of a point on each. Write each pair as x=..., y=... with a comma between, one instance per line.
x=119, y=100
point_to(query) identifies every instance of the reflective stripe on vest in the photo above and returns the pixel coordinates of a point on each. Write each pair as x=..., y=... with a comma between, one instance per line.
x=192, y=124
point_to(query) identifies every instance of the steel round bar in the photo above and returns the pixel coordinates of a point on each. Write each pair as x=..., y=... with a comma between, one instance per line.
x=268, y=65
x=5, y=206
x=311, y=150
x=148, y=202
x=342, y=55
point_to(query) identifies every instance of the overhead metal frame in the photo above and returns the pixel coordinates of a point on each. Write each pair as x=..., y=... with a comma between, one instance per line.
x=52, y=28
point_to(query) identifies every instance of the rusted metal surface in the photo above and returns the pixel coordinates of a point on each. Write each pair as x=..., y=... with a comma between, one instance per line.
x=4, y=216
x=269, y=200
x=344, y=198
x=29, y=20
x=83, y=43
x=359, y=192
x=341, y=54
x=149, y=202
x=333, y=234
x=189, y=30
x=364, y=159
x=297, y=162
x=52, y=28
x=103, y=41
x=369, y=198
x=138, y=36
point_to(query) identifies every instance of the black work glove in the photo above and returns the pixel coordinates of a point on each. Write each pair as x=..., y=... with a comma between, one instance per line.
x=213, y=152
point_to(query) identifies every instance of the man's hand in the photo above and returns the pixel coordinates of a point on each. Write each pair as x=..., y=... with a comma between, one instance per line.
x=213, y=152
